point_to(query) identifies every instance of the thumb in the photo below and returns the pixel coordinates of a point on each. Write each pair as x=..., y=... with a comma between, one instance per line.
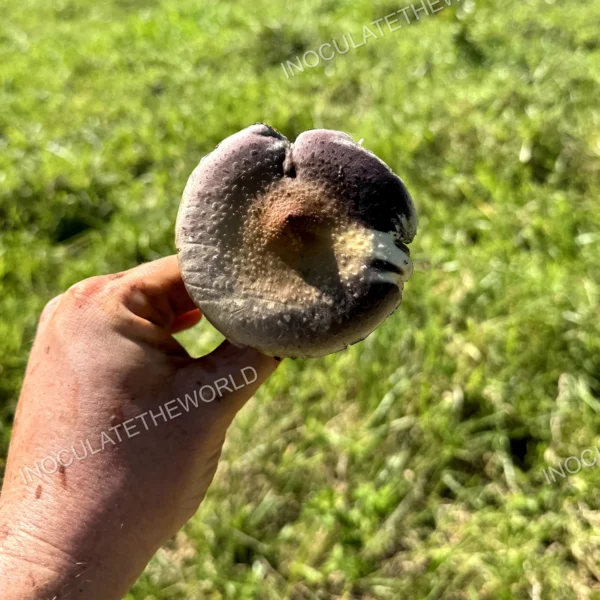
x=227, y=378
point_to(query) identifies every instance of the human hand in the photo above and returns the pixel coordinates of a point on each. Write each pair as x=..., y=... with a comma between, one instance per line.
x=117, y=435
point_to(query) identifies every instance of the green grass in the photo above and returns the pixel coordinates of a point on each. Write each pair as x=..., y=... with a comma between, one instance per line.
x=410, y=465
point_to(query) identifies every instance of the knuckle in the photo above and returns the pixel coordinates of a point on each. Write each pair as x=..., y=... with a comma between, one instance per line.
x=87, y=291
x=50, y=307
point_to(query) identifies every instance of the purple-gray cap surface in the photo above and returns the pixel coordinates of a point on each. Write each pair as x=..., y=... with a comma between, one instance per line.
x=297, y=250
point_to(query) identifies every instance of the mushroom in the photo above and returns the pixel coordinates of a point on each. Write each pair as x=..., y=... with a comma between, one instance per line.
x=296, y=250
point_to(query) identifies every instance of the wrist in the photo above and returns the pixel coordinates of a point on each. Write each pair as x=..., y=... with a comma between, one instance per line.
x=40, y=563
x=25, y=575
x=30, y=567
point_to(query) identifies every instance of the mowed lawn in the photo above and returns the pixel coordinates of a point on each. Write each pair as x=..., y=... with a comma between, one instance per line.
x=409, y=466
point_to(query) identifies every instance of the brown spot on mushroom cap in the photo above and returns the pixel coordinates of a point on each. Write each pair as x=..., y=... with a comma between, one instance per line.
x=295, y=250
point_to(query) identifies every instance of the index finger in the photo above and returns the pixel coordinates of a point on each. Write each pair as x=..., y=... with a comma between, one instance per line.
x=155, y=291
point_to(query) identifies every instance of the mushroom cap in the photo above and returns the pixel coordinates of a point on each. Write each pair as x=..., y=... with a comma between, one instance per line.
x=296, y=250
